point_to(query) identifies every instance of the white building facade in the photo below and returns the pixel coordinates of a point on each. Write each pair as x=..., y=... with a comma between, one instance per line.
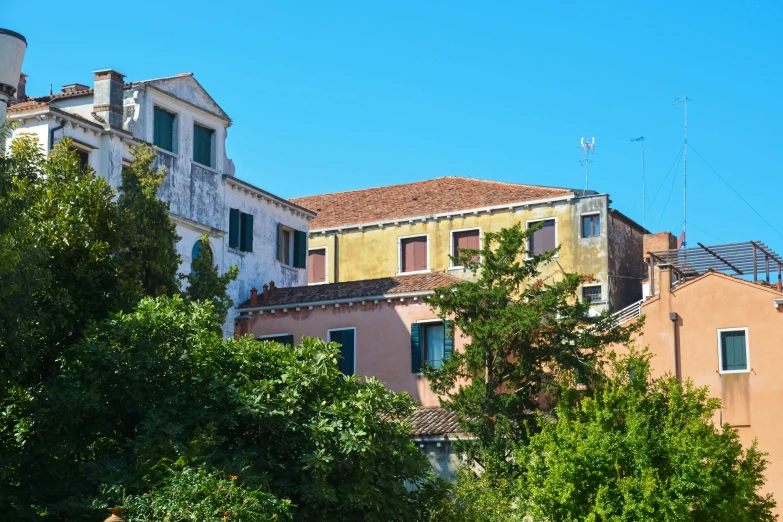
x=264, y=235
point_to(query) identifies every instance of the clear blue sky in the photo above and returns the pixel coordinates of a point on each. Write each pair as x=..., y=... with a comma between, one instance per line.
x=330, y=96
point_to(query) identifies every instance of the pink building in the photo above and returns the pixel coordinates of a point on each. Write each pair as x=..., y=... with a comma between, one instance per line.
x=386, y=329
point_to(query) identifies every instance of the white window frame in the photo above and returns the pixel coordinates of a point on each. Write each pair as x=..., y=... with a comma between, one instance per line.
x=291, y=231
x=212, y=145
x=399, y=254
x=355, y=343
x=747, y=350
x=557, y=234
x=326, y=264
x=431, y=321
x=451, y=244
x=271, y=335
x=175, y=127
x=581, y=224
x=601, y=287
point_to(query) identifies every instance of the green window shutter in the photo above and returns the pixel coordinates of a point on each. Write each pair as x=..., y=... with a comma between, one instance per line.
x=733, y=351
x=163, y=129
x=280, y=242
x=202, y=145
x=233, y=228
x=448, y=343
x=288, y=339
x=246, y=236
x=415, y=348
x=300, y=249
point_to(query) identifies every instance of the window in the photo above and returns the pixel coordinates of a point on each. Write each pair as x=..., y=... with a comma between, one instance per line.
x=240, y=230
x=84, y=158
x=430, y=344
x=346, y=337
x=591, y=294
x=591, y=225
x=202, y=145
x=198, y=250
x=291, y=246
x=284, y=339
x=163, y=129
x=470, y=239
x=316, y=266
x=413, y=254
x=544, y=239
x=733, y=350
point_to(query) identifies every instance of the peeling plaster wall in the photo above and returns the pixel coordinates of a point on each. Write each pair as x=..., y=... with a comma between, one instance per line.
x=626, y=261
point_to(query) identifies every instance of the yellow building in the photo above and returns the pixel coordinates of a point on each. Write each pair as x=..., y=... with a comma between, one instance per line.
x=415, y=227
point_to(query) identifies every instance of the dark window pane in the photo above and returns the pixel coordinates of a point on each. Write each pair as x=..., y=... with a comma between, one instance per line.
x=434, y=343
x=591, y=226
x=347, y=350
x=591, y=294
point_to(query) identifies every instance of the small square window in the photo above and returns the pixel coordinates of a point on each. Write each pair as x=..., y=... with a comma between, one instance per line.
x=591, y=225
x=591, y=294
x=733, y=350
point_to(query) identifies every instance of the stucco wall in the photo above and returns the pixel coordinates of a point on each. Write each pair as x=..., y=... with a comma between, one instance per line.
x=751, y=400
x=626, y=261
x=383, y=337
x=374, y=252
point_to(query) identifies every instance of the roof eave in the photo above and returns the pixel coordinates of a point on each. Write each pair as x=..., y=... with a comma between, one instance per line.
x=400, y=296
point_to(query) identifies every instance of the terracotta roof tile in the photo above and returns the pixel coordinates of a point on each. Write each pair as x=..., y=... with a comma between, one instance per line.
x=354, y=289
x=42, y=101
x=421, y=198
x=433, y=422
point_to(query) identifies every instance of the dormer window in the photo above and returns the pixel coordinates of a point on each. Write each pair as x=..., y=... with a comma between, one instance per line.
x=163, y=135
x=202, y=145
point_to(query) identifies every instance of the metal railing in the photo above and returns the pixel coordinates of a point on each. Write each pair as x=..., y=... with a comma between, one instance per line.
x=628, y=313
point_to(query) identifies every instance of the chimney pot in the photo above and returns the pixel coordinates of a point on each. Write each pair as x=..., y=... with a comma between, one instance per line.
x=254, y=296
x=666, y=279
x=108, y=97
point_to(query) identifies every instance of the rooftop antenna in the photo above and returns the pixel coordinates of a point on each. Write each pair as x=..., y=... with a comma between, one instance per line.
x=588, y=147
x=644, y=211
x=684, y=100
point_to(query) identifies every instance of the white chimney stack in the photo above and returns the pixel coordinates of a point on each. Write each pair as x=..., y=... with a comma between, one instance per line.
x=12, y=48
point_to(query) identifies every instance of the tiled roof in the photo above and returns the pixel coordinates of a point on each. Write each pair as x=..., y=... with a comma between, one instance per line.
x=433, y=422
x=404, y=284
x=422, y=198
x=42, y=101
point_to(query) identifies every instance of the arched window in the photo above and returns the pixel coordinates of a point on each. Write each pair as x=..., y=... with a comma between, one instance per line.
x=199, y=249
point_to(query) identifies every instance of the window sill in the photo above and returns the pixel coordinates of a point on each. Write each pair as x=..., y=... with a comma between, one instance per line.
x=168, y=152
x=728, y=372
x=316, y=284
x=591, y=237
x=289, y=267
x=238, y=251
x=205, y=167
x=556, y=256
x=414, y=272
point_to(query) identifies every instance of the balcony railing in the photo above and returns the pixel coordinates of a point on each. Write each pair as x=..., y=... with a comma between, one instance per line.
x=628, y=313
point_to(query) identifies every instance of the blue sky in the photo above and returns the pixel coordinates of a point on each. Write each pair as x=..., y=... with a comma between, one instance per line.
x=331, y=96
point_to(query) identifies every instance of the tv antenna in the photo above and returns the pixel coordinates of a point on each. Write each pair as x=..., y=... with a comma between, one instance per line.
x=588, y=147
x=644, y=212
x=684, y=100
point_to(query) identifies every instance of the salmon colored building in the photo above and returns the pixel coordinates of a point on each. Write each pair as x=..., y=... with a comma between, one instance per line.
x=386, y=329
x=723, y=331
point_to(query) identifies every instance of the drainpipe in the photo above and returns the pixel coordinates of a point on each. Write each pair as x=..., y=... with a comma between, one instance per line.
x=675, y=344
x=51, y=134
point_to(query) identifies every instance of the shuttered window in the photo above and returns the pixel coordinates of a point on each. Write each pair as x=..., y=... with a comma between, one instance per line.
x=240, y=230
x=284, y=339
x=431, y=344
x=465, y=239
x=347, y=339
x=733, y=351
x=316, y=266
x=542, y=240
x=413, y=254
x=202, y=145
x=163, y=129
x=291, y=246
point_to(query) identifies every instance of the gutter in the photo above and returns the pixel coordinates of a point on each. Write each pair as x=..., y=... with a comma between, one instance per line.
x=388, y=297
x=778, y=302
x=507, y=206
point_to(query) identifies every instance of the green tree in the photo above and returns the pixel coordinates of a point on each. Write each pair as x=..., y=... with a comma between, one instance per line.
x=204, y=283
x=638, y=450
x=528, y=337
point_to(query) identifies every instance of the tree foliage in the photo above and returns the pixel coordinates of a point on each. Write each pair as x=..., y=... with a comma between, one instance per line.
x=638, y=450
x=528, y=337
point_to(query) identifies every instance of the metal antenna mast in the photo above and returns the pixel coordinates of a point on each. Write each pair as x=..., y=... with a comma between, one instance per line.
x=684, y=101
x=644, y=210
x=587, y=149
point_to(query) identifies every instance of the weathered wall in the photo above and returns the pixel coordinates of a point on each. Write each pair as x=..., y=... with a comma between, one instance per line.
x=626, y=261
x=750, y=399
x=442, y=457
x=374, y=252
x=383, y=337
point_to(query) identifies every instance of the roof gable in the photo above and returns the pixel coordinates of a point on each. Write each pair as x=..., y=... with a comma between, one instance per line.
x=419, y=199
x=185, y=87
x=708, y=276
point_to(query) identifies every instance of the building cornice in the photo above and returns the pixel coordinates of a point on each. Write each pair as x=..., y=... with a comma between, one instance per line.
x=181, y=220
x=375, y=299
x=247, y=188
x=510, y=207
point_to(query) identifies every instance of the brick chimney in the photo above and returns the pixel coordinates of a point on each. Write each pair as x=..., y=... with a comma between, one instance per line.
x=21, y=89
x=75, y=87
x=108, y=96
x=254, y=296
x=656, y=243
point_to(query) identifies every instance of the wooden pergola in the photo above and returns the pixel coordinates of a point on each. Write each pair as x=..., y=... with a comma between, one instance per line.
x=742, y=259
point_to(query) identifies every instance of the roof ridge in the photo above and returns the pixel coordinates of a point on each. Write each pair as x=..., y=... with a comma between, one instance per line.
x=509, y=183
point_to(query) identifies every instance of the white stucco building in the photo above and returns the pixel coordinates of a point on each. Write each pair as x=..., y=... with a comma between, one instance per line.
x=265, y=235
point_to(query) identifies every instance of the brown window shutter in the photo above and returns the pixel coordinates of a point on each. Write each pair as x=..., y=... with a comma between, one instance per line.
x=316, y=262
x=420, y=253
x=548, y=235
